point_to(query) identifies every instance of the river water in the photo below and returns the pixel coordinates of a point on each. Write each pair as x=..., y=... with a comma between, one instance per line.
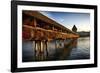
x=82, y=50
x=60, y=50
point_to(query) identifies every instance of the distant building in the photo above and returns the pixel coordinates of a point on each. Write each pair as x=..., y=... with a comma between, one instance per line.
x=74, y=28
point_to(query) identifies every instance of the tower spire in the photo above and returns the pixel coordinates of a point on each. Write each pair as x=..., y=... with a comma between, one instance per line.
x=74, y=28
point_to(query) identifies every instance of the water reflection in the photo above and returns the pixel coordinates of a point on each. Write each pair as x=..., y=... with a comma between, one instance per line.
x=69, y=49
x=83, y=49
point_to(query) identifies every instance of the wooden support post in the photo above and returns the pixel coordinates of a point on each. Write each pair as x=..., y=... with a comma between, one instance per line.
x=31, y=22
x=35, y=49
x=46, y=43
x=35, y=22
x=63, y=43
x=52, y=27
x=41, y=45
x=32, y=34
x=55, y=46
x=42, y=50
x=60, y=44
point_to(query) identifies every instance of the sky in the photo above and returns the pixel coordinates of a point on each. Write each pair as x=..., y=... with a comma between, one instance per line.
x=68, y=19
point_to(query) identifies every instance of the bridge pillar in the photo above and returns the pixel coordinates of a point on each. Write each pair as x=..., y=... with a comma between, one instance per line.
x=55, y=46
x=41, y=51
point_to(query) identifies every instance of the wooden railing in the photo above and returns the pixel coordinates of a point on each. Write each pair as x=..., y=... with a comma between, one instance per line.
x=37, y=33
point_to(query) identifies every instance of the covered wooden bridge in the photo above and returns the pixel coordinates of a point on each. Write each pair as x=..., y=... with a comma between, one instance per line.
x=41, y=29
x=36, y=26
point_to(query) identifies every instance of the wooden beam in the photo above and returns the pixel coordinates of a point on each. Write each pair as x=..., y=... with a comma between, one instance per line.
x=35, y=22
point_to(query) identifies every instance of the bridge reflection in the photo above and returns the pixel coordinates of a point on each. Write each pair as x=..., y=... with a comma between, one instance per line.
x=49, y=51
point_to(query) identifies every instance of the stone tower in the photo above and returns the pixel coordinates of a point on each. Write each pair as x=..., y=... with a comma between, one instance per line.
x=74, y=28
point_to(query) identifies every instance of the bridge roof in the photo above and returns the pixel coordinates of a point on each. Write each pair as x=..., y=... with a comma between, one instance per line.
x=46, y=19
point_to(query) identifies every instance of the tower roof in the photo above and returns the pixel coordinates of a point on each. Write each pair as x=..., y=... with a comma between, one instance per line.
x=74, y=28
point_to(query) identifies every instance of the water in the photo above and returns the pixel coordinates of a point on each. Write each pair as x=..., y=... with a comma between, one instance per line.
x=57, y=50
x=82, y=51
